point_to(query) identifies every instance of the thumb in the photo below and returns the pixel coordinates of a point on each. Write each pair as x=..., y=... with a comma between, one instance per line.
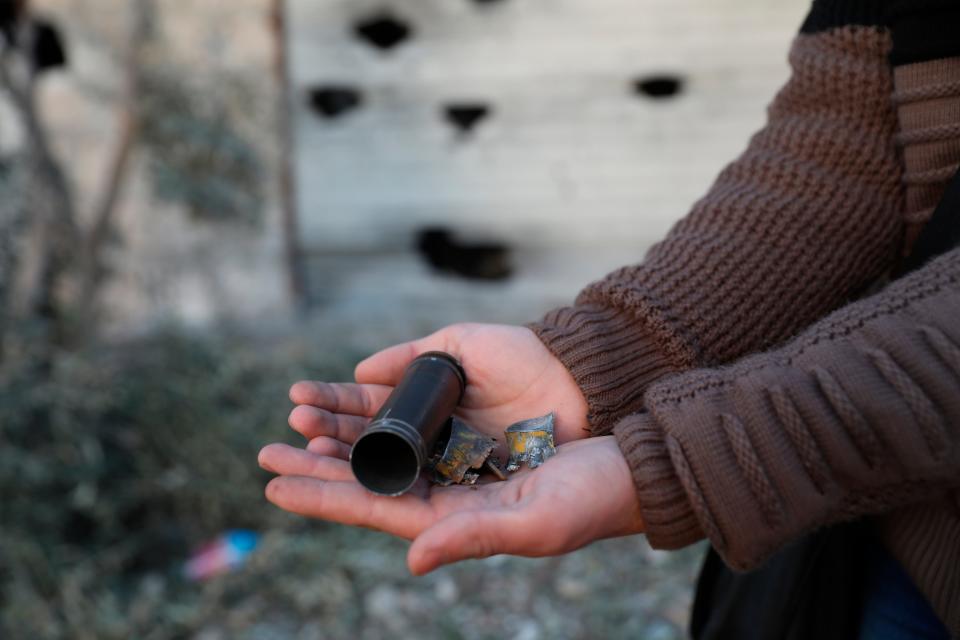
x=468, y=534
x=387, y=366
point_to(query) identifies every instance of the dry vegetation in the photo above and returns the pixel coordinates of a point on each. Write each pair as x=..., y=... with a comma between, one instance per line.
x=117, y=461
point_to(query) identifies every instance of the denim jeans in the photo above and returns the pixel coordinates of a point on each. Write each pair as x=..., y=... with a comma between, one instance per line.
x=894, y=609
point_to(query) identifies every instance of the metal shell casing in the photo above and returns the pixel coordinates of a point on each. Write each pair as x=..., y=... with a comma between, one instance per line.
x=388, y=456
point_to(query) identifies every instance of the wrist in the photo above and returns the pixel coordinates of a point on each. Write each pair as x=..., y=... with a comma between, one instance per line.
x=611, y=357
x=666, y=511
x=626, y=517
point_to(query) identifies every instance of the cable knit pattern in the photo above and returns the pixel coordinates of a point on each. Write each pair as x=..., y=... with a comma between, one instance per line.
x=850, y=418
x=860, y=414
x=801, y=437
x=807, y=216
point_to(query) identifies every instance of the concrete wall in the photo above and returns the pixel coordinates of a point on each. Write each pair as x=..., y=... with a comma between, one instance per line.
x=571, y=154
x=571, y=158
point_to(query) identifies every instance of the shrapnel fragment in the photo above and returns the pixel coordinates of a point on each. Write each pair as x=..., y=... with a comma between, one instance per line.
x=467, y=452
x=494, y=466
x=530, y=441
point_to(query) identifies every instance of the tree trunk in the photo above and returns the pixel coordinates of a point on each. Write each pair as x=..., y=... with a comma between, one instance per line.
x=50, y=202
x=296, y=274
x=91, y=260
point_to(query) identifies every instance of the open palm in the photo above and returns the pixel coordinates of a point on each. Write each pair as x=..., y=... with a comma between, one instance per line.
x=582, y=494
x=511, y=376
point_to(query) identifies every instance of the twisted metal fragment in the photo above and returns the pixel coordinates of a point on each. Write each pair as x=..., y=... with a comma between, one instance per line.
x=467, y=451
x=530, y=441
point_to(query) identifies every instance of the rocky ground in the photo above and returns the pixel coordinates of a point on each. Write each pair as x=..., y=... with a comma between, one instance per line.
x=119, y=461
x=340, y=583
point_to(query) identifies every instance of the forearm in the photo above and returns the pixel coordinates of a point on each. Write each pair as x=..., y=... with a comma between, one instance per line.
x=805, y=218
x=859, y=414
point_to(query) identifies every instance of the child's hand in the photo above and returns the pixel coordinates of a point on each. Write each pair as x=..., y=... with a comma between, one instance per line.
x=582, y=494
x=511, y=376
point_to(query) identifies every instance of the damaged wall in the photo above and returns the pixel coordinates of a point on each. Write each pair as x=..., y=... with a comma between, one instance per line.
x=550, y=126
x=532, y=131
x=549, y=123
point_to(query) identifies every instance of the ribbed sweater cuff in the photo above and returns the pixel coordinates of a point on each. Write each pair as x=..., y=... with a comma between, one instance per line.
x=667, y=513
x=610, y=356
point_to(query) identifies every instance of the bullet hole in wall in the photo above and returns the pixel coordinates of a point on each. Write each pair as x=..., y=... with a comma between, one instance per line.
x=48, y=50
x=659, y=87
x=475, y=261
x=382, y=30
x=465, y=116
x=333, y=101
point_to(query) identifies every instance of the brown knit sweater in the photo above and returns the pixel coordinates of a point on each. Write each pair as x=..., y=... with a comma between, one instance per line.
x=857, y=415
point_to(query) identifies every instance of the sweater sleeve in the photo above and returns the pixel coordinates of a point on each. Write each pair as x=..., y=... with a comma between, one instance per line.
x=858, y=415
x=799, y=223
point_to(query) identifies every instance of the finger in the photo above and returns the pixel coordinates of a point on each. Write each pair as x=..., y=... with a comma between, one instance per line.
x=387, y=366
x=324, y=446
x=341, y=397
x=312, y=422
x=471, y=534
x=349, y=503
x=290, y=461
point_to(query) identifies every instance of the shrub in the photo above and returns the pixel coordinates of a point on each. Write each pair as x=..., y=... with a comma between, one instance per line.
x=116, y=461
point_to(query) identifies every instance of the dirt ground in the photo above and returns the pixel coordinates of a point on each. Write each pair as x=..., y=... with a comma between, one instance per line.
x=342, y=583
x=118, y=462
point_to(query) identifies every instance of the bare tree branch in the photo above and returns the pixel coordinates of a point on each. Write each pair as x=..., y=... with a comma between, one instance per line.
x=91, y=268
x=49, y=198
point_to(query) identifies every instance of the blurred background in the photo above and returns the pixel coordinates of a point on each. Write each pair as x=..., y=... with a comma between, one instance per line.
x=202, y=202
